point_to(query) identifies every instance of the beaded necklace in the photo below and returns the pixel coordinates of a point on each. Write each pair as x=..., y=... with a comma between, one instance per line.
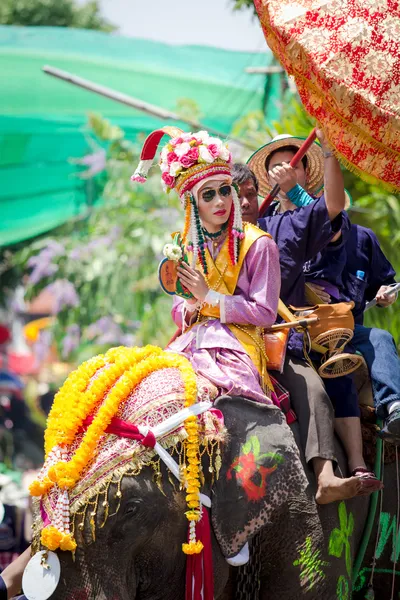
x=217, y=234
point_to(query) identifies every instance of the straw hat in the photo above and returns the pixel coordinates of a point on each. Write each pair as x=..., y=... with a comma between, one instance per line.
x=315, y=163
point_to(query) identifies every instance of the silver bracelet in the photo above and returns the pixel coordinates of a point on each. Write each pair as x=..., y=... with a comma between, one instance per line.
x=328, y=154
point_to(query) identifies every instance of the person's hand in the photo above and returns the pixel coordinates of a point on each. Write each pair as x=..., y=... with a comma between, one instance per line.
x=322, y=140
x=194, y=281
x=284, y=175
x=384, y=300
x=320, y=291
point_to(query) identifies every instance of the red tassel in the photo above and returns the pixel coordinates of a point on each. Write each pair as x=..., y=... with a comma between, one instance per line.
x=199, y=567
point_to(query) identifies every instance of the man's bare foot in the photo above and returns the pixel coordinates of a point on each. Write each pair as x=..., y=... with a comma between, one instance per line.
x=336, y=488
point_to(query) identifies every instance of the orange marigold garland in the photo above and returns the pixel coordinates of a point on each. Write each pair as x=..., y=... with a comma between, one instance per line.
x=121, y=370
x=186, y=226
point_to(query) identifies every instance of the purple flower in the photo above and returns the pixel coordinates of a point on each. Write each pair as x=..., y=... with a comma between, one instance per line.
x=71, y=340
x=64, y=293
x=85, y=251
x=127, y=339
x=105, y=331
x=42, y=265
x=42, y=346
x=95, y=161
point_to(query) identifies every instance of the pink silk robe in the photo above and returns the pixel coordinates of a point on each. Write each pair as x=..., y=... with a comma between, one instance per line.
x=212, y=349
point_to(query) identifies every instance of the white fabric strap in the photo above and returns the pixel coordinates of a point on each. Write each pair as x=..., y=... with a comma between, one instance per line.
x=216, y=299
x=178, y=418
x=196, y=409
x=170, y=424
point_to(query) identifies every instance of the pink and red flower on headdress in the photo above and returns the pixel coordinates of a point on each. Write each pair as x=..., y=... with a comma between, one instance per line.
x=183, y=152
x=188, y=150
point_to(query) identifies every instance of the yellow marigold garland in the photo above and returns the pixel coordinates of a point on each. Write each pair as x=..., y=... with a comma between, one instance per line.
x=192, y=479
x=52, y=538
x=79, y=397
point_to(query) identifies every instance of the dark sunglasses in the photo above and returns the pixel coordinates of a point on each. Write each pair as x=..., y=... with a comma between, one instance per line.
x=224, y=191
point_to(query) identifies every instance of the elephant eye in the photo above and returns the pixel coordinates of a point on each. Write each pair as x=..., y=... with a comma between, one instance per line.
x=132, y=507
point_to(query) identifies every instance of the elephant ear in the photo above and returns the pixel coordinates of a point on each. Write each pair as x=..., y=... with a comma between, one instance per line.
x=261, y=468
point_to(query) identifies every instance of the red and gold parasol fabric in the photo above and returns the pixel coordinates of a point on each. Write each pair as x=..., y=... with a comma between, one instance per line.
x=345, y=58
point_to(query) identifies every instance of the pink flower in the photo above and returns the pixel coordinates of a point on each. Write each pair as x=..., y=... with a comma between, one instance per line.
x=214, y=150
x=171, y=157
x=168, y=179
x=176, y=141
x=138, y=178
x=190, y=158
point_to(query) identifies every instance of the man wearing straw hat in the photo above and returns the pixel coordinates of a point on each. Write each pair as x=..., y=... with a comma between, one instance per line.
x=352, y=265
x=301, y=236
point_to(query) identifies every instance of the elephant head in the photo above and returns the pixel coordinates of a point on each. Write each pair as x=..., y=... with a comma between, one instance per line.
x=128, y=513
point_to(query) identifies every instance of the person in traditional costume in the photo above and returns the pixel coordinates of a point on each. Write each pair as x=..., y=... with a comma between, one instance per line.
x=231, y=276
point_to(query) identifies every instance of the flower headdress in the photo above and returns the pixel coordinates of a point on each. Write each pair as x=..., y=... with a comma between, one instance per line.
x=185, y=161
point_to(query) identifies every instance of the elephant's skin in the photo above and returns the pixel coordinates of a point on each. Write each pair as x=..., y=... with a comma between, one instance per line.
x=137, y=555
x=308, y=534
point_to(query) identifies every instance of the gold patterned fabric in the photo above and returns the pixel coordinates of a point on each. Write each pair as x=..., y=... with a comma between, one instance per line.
x=159, y=396
x=345, y=58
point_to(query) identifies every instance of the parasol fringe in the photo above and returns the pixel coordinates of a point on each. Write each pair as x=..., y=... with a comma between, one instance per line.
x=365, y=176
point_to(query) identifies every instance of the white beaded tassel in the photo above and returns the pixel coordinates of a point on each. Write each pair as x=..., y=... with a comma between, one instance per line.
x=193, y=237
x=237, y=225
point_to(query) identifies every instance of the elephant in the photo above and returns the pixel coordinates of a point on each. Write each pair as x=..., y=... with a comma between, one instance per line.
x=264, y=495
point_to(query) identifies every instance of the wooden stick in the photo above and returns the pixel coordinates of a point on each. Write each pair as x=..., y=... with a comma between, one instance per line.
x=291, y=324
x=145, y=107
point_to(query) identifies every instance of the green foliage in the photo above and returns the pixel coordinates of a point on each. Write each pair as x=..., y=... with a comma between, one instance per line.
x=255, y=132
x=111, y=258
x=243, y=5
x=53, y=13
x=188, y=109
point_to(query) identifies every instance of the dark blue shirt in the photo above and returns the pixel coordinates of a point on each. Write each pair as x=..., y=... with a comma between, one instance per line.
x=301, y=235
x=364, y=254
x=329, y=264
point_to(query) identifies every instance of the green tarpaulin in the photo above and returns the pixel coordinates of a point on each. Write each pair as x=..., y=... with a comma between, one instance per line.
x=42, y=119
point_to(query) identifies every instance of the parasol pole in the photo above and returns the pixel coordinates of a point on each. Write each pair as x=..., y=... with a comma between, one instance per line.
x=394, y=289
x=295, y=160
x=150, y=109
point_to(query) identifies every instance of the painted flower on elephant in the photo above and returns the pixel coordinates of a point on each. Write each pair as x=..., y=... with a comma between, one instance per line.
x=340, y=538
x=250, y=471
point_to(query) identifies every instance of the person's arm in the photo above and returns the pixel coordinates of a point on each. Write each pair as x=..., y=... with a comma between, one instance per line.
x=299, y=197
x=12, y=575
x=184, y=312
x=259, y=305
x=333, y=180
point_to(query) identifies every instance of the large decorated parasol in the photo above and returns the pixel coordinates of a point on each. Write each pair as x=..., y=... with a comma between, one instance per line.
x=345, y=58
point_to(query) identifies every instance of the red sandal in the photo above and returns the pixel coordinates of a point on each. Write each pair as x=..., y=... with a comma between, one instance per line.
x=369, y=479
